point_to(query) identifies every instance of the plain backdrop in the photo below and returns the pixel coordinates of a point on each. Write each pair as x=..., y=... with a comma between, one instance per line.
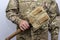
x=6, y=26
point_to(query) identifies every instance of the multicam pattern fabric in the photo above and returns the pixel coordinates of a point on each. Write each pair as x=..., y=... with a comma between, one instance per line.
x=17, y=9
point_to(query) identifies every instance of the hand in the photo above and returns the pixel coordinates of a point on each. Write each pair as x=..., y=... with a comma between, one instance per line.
x=24, y=25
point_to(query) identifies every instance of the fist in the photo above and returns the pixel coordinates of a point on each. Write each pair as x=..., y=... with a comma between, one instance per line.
x=23, y=25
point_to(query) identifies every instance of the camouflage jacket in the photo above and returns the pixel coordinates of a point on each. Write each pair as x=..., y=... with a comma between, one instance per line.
x=17, y=9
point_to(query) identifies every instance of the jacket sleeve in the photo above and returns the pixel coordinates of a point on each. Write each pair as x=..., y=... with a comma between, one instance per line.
x=12, y=11
x=53, y=28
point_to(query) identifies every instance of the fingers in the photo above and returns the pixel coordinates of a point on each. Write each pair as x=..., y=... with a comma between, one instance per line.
x=27, y=25
x=24, y=25
x=22, y=28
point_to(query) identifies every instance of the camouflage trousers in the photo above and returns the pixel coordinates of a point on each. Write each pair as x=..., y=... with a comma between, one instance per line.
x=40, y=34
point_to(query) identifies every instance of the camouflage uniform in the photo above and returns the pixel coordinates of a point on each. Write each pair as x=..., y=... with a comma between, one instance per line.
x=17, y=9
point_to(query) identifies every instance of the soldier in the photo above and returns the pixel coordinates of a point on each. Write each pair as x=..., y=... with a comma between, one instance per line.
x=17, y=9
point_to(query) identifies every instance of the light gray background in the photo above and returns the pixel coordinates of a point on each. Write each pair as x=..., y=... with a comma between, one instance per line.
x=6, y=26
